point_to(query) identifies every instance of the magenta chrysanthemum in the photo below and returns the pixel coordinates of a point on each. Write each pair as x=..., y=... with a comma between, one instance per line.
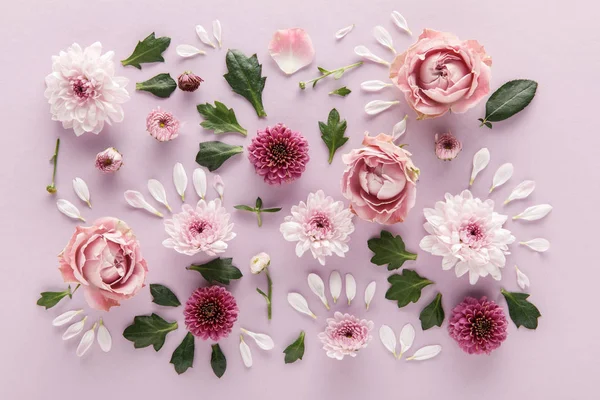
x=162, y=125
x=478, y=326
x=447, y=146
x=109, y=160
x=210, y=313
x=345, y=335
x=279, y=154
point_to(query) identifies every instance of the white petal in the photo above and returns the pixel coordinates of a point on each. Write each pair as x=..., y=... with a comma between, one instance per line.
x=180, y=180
x=199, y=180
x=187, y=50
x=316, y=284
x=425, y=353
x=104, y=338
x=480, y=160
x=219, y=186
x=400, y=21
x=86, y=341
x=523, y=190
x=65, y=317
x=74, y=329
x=157, y=190
x=407, y=337
x=245, y=352
x=217, y=31
x=502, y=175
x=67, y=208
x=377, y=106
x=399, y=129
x=388, y=338
x=335, y=285
x=343, y=32
x=369, y=293
x=350, y=288
x=263, y=341
x=203, y=35
x=299, y=303
x=537, y=244
x=136, y=200
x=291, y=49
x=82, y=190
x=522, y=279
x=363, y=52
x=374, y=86
x=534, y=213
x=384, y=38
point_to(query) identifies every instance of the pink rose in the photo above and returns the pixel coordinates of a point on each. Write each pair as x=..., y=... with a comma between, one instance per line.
x=106, y=260
x=441, y=73
x=380, y=180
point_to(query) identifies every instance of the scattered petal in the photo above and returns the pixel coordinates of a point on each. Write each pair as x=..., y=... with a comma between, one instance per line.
x=180, y=180
x=388, y=338
x=187, y=50
x=369, y=293
x=66, y=317
x=502, y=175
x=335, y=285
x=363, y=52
x=67, y=208
x=136, y=200
x=400, y=21
x=523, y=190
x=343, y=32
x=316, y=284
x=374, y=86
x=384, y=38
x=82, y=191
x=291, y=49
x=262, y=340
x=217, y=31
x=219, y=185
x=522, y=279
x=199, y=180
x=245, y=352
x=377, y=106
x=203, y=35
x=299, y=303
x=480, y=160
x=399, y=129
x=350, y=288
x=425, y=353
x=104, y=338
x=534, y=213
x=407, y=337
x=157, y=190
x=537, y=244
x=86, y=341
x=74, y=329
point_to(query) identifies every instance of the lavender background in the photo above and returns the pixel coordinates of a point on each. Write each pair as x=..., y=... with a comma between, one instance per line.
x=552, y=142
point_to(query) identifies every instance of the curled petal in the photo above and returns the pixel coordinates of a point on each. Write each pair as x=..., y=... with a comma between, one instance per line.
x=292, y=49
x=136, y=200
x=299, y=303
x=522, y=279
x=219, y=185
x=82, y=190
x=399, y=129
x=67, y=208
x=187, y=50
x=343, y=32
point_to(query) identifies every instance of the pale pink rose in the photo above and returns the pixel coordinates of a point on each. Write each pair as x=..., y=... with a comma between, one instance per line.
x=380, y=180
x=105, y=259
x=441, y=73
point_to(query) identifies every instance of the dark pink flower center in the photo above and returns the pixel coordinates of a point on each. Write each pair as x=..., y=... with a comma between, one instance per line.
x=209, y=312
x=473, y=234
x=197, y=227
x=320, y=225
x=83, y=88
x=482, y=327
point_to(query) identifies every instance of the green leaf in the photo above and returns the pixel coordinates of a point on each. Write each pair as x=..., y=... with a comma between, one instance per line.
x=163, y=296
x=219, y=118
x=148, y=330
x=148, y=50
x=244, y=77
x=244, y=208
x=162, y=85
x=332, y=133
x=509, y=99
x=218, y=362
x=295, y=351
x=521, y=311
x=433, y=314
x=406, y=288
x=213, y=154
x=389, y=250
x=271, y=210
x=219, y=270
x=343, y=91
x=183, y=356
x=50, y=299
x=322, y=70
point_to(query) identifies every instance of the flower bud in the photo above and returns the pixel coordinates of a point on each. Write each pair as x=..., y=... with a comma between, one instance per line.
x=447, y=146
x=259, y=262
x=109, y=160
x=188, y=82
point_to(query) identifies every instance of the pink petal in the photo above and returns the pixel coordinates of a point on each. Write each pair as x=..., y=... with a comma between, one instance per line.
x=291, y=49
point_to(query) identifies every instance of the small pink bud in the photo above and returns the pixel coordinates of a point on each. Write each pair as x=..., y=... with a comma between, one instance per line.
x=447, y=146
x=109, y=160
x=188, y=82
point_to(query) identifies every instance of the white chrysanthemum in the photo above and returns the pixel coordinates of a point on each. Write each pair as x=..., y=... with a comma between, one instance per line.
x=322, y=226
x=468, y=234
x=83, y=90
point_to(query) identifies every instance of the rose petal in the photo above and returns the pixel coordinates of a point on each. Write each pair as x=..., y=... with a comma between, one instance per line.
x=291, y=49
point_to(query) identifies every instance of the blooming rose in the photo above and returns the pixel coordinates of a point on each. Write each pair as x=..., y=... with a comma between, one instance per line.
x=380, y=180
x=105, y=259
x=441, y=73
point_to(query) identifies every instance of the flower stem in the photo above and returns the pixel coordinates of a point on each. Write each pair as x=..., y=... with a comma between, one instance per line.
x=338, y=71
x=71, y=293
x=54, y=160
x=259, y=218
x=269, y=293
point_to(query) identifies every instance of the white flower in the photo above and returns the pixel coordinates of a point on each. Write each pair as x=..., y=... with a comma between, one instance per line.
x=259, y=262
x=83, y=90
x=468, y=234
x=321, y=225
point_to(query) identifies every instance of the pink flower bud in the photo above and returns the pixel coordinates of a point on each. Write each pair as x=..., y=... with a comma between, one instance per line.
x=447, y=146
x=188, y=82
x=109, y=160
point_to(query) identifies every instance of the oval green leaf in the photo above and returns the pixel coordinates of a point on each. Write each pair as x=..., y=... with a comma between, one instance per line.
x=509, y=99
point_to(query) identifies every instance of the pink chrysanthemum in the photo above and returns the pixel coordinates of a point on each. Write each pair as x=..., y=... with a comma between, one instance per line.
x=447, y=146
x=478, y=326
x=188, y=82
x=210, y=313
x=204, y=228
x=345, y=335
x=279, y=154
x=162, y=125
x=109, y=160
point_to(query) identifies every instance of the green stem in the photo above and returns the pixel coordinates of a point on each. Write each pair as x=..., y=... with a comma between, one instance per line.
x=269, y=293
x=326, y=74
x=259, y=218
x=52, y=187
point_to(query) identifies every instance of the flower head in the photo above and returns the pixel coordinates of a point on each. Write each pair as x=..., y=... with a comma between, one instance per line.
x=278, y=154
x=162, y=125
x=83, y=91
x=109, y=160
x=204, y=228
x=259, y=262
x=345, y=335
x=320, y=225
x=210, y=313
x=447, y=146
x=478, y=326
x=469, y=235
x=188, y=82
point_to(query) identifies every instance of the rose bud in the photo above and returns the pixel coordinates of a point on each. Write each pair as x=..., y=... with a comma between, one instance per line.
x=188, y=82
